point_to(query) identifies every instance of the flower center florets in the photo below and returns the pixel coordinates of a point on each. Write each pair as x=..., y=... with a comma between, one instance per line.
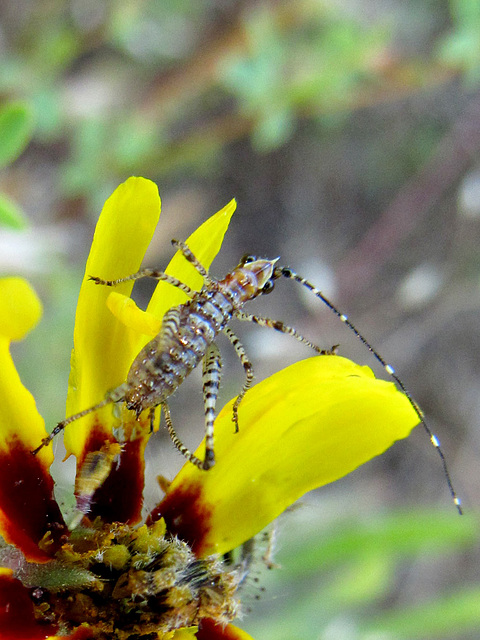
x=121, y=582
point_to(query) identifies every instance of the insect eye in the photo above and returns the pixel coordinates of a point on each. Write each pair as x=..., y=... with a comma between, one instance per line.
x=268, y=286
x=247, y=258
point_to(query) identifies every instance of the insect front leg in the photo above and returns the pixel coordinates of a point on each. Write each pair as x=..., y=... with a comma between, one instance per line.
x=212, y=371
x=147, y=273
x=283, y=328
x=188, y=255
x=248, y=368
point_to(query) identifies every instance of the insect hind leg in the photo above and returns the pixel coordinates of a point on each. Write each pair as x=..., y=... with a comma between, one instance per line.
x=212, y=366
x=288, y=273
x=212, y=370
x=61, y=425
x=186, y=453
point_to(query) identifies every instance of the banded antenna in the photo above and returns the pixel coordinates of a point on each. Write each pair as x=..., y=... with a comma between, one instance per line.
x=286, y=272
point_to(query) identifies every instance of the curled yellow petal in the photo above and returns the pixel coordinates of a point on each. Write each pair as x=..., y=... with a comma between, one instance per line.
x=303, y=427
x=125, y=310
x=205, y=242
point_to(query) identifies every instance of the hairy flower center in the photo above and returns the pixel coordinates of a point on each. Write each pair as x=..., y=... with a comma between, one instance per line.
x=121, y=582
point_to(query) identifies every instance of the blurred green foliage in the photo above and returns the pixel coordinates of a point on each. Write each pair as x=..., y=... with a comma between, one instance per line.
x=461, y=47
x=125, y=87
x=10, y=214
x=316, y=65
x=16, y=127
x=16, y=130
x=330, y=576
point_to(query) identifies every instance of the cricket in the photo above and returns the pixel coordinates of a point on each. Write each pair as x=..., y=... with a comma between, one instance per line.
x=187, y=338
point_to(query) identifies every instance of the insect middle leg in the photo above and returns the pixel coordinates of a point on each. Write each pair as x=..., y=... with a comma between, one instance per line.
x=247, y=367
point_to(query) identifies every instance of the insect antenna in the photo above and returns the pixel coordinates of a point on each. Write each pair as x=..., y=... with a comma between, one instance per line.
x=286, y=272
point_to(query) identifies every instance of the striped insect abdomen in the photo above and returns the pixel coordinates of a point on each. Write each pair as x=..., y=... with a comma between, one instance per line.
x=165, y=361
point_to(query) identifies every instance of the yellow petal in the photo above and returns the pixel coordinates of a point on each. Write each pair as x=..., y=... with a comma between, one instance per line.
x=303, y=427
x=20, y=311
x=103, y=347
x=27, y=506
x=208, y=630
x=20, y=308
x=205, y=243
x=184, y=634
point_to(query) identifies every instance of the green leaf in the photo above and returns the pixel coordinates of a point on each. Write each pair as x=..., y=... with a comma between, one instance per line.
x=10, y=214
x=16, y=127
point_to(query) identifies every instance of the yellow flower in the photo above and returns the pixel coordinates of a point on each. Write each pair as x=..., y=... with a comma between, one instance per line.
x=305, y=426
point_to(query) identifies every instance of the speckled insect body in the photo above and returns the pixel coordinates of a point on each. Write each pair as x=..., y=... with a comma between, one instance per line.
x=187, y=337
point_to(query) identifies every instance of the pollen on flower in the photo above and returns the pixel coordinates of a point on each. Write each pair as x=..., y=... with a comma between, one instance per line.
x=120, y=582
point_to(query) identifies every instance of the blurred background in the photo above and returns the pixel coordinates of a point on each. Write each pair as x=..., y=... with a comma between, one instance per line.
x=349, y=132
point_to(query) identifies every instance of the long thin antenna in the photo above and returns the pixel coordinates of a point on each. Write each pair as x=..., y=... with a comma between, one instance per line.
x=289, y=273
